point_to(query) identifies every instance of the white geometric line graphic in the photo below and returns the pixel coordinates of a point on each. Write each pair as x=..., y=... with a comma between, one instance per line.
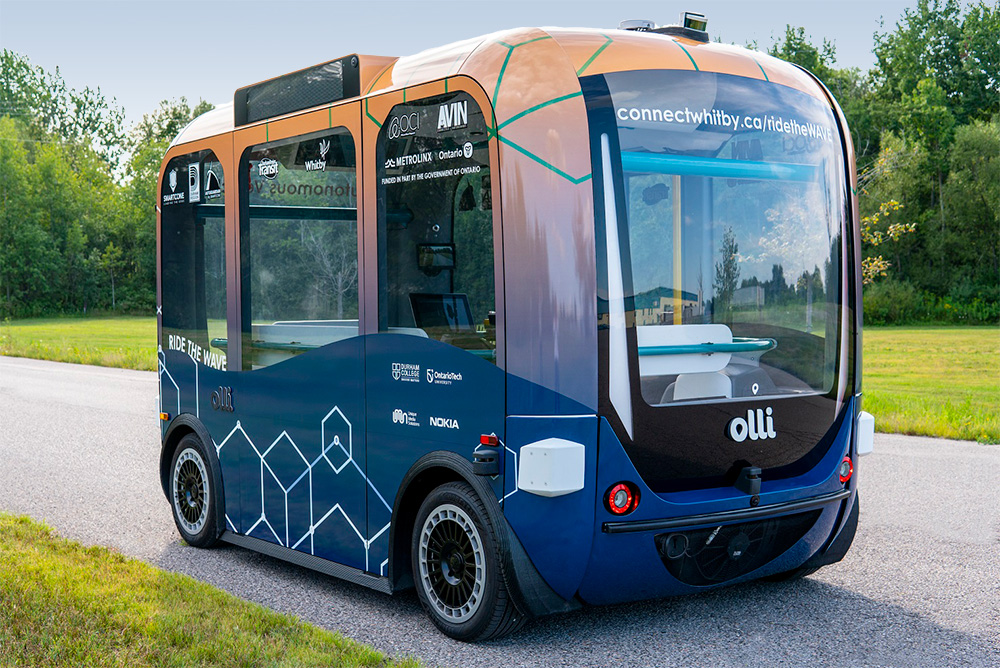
x=308, y=534
x=161, y=361
x=237, y=428
x=374, y=489
x=325, y=455
x=375, y=537
x=327, y=447
x=346, y=517
x=336, y=441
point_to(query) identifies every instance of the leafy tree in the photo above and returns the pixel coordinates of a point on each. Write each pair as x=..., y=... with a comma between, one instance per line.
x=111, y=261
x=52, y=111
x=981, y=61
x=972, y=200
x=929, y=121
x=960, y=54
x=896, y=180
x=777, y=290
x=331, y=258
x=27, y=256
x=77, y=231
x=796, y=48
x=853, y=92
x=927, y=43
x=873, y=234
x=167, y=121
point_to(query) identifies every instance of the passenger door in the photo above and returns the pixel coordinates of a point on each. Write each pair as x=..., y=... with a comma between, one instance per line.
x=434, y=356
x=196, y=232
x=298, y=408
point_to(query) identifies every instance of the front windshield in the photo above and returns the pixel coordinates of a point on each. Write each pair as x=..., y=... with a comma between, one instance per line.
x=734, y=198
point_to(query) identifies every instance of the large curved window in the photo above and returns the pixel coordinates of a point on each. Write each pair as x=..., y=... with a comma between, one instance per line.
x=435, y=224
x=299, y=246
x=193, y=256
x=731, y=244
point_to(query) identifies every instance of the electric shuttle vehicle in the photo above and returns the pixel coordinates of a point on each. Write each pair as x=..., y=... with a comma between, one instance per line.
x=545, y=318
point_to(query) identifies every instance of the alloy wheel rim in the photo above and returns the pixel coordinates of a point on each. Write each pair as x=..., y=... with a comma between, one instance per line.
x=191, y=491
x=452, y=563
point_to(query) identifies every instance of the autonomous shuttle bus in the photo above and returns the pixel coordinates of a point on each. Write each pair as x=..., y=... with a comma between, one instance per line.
x=539, y=319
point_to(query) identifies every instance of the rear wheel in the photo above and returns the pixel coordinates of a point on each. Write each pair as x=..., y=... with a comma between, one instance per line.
x=456, y=567
x=193, y=497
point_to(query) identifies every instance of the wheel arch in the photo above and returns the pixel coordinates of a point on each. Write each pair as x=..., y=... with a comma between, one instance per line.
x=429, y=472
x=529, y=591
x=179, y=427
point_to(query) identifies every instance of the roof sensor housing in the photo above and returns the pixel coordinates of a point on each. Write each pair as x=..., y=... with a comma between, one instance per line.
x=693, y=26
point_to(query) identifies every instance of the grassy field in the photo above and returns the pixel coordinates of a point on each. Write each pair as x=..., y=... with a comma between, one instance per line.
x=934, y=381
x=62, y=604
x=126, y=342
x=929, y=381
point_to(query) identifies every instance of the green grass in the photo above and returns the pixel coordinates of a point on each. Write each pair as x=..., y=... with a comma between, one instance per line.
x=62, y=604
x=126, y=342
x=934, y=381
x=930, y=381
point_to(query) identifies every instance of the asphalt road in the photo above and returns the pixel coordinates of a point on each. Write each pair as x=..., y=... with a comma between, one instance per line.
x=921, y=586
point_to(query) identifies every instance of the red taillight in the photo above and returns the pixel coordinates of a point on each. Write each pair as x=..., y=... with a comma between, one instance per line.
x=622, y=498
x=489, y=439
x=846, y=469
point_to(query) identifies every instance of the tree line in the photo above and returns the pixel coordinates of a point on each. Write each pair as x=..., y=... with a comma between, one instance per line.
x=925, y=121
x=77, y=195
x=77, y=189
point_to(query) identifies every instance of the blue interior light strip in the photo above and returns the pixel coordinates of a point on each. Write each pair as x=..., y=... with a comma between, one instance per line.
x=685, y=165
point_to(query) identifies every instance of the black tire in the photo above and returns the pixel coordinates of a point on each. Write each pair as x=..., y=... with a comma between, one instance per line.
x=194, y=498
x=456, y=567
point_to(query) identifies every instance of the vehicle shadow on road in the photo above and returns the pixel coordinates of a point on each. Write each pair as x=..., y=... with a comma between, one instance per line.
x=803, y=623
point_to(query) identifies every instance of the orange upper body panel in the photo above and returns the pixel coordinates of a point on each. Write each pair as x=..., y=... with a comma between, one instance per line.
x=525, y=67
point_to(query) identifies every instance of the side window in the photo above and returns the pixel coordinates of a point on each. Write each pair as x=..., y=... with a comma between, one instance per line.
x=193, y=246
x=435, y=224
x=298, y=246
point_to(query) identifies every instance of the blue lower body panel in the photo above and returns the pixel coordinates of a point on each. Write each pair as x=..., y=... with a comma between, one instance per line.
x=555, y=531
x=633, y=564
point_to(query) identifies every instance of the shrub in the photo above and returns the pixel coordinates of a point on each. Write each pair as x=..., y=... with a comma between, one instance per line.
x=893, y=302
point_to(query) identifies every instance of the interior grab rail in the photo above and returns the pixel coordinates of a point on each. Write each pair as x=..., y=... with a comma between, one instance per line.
x=739, y=345
x=686, y=165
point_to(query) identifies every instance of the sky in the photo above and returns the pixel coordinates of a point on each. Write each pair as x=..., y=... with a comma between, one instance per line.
x=140, y=52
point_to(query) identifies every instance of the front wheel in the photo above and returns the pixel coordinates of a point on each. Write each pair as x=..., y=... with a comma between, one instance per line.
x=456, y=567
x=193, y=497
